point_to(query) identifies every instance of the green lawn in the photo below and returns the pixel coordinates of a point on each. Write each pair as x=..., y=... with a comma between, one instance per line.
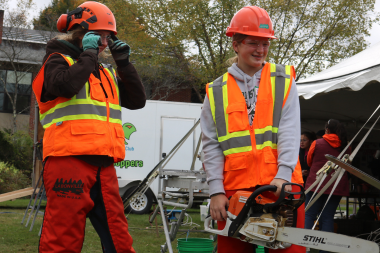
x=15, y=237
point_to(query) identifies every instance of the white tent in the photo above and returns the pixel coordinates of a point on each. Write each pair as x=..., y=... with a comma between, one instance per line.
x=348, y=91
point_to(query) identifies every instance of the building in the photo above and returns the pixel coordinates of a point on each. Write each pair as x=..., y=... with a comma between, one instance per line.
x=21, y=54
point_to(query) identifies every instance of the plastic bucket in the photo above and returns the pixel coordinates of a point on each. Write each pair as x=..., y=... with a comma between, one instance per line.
x=260, y=249
x=198, y=245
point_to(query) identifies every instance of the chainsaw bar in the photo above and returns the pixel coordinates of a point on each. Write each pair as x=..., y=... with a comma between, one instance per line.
x=325, y=241
x=355, y=171
x=268, y=227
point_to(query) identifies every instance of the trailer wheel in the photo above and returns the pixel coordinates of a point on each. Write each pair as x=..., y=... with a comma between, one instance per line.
x=141, y=204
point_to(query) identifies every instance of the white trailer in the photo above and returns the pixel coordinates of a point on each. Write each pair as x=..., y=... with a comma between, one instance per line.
x=150, y=133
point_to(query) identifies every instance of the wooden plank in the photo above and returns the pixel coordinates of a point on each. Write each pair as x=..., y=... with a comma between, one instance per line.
x=10, y=193
x=17, y=194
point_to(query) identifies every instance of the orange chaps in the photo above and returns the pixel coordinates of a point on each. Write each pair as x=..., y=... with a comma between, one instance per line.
x=233, y=245
x=76, y=190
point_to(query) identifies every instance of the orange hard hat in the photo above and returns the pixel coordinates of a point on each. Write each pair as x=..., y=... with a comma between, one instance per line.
x=253, y=21
x=91, y=16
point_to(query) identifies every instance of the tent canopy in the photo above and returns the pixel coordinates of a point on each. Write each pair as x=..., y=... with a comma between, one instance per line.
x=348, y=91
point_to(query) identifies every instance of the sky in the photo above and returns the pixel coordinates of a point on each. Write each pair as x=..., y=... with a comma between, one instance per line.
x=41, y=4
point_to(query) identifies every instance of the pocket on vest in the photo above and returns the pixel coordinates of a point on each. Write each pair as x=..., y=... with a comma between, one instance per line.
x=236, y=173
x=119, y=132
x=269, y=156
x=263, y=113
x=236, y=162
x=86, y=132
x=237, y=117
x=96, y=90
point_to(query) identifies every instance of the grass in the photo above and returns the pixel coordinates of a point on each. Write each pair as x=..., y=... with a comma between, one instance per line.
x=15, y=237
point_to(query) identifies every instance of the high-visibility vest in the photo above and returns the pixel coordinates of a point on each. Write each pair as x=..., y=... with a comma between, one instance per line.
x=251, y=151
x=89, y=123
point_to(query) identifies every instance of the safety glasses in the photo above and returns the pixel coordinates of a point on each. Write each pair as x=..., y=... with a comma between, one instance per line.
x=105, y=37
x=256, y=43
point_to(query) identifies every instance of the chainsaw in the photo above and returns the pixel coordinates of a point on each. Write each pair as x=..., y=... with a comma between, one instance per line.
x=253, y=217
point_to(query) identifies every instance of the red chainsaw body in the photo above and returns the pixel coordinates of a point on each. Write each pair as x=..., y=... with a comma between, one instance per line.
x=239, y=199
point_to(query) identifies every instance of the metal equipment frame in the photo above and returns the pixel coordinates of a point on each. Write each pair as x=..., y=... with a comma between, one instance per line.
x=39, y=193
x=191, y=183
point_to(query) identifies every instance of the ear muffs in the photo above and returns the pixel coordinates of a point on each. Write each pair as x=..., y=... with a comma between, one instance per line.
x=62, y=23
x=65, y=19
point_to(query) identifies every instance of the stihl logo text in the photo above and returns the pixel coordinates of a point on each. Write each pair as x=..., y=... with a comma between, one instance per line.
x=310, y=238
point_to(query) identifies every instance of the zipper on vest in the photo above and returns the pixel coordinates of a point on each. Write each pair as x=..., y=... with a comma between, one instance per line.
x=109, y=128
x=252, y=133
x=100, y=79
x=102, y=69
x=105, y=93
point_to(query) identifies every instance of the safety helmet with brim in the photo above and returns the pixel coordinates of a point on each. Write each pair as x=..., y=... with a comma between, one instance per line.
x=90, y=16
x=252, y=21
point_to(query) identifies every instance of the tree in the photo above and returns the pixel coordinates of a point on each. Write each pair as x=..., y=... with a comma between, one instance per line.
x=161, y=33
x=17, y=58
x=312, y=34
x=47, y=20
x=162, y=81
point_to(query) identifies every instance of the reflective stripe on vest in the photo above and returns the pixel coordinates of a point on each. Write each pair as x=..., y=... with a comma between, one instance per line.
x=230, y=143
x=240, y=141
x=280, y=81
x=81, y=106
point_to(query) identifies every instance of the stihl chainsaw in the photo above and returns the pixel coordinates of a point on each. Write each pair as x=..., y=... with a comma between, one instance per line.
x=255, y=218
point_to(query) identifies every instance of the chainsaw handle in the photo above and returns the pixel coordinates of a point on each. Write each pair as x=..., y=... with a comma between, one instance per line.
x=223, y=232
x=282, y=196
x=265, y=188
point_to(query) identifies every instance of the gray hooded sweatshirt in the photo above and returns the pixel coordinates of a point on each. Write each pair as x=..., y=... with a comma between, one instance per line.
x=288, y=131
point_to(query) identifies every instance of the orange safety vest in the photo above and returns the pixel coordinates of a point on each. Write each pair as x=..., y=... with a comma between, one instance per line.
x=86, y=124
x=251, y=151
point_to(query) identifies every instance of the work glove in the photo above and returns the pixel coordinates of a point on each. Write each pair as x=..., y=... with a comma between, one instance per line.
x=120, y=52
x=91, y=42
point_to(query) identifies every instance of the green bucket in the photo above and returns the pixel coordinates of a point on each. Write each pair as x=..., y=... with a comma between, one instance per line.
x=198, y=245
x=260, y=249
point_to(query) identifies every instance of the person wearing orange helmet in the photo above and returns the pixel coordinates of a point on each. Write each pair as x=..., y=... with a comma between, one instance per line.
x=250, y=124
x=80, y=103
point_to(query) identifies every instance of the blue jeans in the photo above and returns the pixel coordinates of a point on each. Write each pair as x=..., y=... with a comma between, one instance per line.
x=326, y=221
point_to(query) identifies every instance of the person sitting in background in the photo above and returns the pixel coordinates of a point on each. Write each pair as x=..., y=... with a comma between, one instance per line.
x=306, y=139
x=333, y=142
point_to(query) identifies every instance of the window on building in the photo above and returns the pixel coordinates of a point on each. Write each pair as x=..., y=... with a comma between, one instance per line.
x=9, y=79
